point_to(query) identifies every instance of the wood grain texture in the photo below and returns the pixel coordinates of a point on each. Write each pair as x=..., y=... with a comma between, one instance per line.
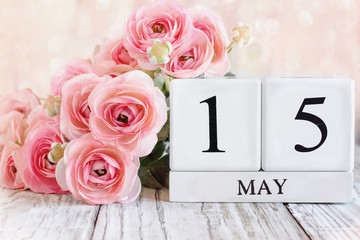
x=154, y=217
x=332, y=221
x=27, y=215
x=138, y=220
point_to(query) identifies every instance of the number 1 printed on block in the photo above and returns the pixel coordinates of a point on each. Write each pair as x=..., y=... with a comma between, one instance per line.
x=212, y=125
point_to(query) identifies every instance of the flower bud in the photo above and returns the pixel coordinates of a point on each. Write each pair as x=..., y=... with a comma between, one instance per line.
x=159, y=52
x=52, y=105
x=57, y=152
x=241, y=34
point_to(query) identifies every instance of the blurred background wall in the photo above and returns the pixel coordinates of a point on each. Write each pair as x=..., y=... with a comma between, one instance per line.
x=290, y=37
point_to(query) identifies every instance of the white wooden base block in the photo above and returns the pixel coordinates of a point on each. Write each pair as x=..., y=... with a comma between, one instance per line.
x=312, y=187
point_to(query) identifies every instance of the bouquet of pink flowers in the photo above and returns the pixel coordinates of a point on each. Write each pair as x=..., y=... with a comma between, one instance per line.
x=103, y=131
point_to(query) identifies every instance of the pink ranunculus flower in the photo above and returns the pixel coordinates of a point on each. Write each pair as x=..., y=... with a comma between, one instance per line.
x=37, y=172
x=163, y=20
x=67, y=72
x=22, y=101
x=38, y=117
x=98, y=173
x=213, y=26
x=192, y=58
x=111, y=58
x=9, y=176
x=128, y=111
x=13, y=127
x=74, y=108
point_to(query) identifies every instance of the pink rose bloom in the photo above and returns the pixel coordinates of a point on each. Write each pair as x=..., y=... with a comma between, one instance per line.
x=22, y=101
x=9, y=176
x=213, y=26
x=98, y=173
x=38, y=117
x=67, y=72
x=74, y=108
x=12, y=128
x=128, y=111
x=163, y=20
x=192, y=58
x=111, y=58
x=37, y=172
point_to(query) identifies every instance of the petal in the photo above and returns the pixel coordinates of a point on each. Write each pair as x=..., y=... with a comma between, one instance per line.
x=146, y=145
x=60, y=174
x=135, y=192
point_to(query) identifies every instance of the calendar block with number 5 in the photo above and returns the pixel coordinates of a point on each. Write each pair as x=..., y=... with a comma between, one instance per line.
x=308, y=124
x=215, y=124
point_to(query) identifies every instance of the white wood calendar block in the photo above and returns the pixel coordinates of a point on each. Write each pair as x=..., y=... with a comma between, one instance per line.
x=308, y=124
x=215, y=124
x=316, y=187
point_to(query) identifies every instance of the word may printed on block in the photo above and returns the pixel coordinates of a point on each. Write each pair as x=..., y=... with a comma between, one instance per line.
x=252, y=190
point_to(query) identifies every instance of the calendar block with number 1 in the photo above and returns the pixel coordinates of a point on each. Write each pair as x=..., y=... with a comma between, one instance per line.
x=215, y=125
x=276, y=140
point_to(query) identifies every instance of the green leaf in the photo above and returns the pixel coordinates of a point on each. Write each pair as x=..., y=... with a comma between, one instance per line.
x=229, y=74
x=159, y=81
x=155, y=174
x=154, y=168
x=159, y=151
x=163, y=135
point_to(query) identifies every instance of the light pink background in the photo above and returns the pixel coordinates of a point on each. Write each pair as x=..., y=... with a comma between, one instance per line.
x=291, y=37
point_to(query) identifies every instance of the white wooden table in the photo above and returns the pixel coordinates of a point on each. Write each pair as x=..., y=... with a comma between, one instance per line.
x=27, y=215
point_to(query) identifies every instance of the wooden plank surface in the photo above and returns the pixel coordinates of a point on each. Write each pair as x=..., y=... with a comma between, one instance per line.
x=332, y=221
x=27, y=215
x=154, y=217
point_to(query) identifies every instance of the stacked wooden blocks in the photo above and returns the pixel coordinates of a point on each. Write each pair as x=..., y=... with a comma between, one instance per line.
x=280, y=139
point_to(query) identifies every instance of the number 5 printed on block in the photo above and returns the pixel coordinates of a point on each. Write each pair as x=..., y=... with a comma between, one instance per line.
x=301, y=115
